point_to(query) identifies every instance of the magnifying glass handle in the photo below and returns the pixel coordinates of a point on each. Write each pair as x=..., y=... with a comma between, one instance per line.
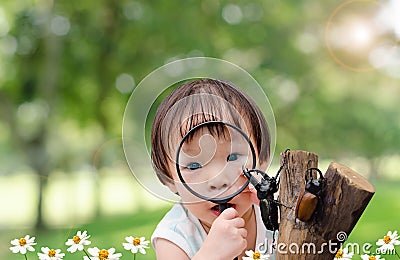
x=222, y=207
x=251, y=178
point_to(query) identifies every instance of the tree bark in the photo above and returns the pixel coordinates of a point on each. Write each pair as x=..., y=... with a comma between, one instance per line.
x=346, y=196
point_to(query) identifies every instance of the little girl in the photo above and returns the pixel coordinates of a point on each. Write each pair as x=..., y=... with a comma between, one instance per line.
x=193, y=228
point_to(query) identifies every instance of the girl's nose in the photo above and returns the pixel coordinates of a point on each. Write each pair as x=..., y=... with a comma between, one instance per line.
x=223, y=180
x=215, y=186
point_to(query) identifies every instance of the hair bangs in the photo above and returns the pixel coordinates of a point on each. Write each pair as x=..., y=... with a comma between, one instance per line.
x=197, y=109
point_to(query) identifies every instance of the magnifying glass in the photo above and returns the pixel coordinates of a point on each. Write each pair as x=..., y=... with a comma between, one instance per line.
x=210, y=160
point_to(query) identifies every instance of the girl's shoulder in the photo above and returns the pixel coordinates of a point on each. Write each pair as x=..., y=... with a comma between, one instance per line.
x=181, y=228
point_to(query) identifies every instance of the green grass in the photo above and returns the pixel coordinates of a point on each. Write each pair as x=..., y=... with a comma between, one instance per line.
x=381, y=215
x=105, y=233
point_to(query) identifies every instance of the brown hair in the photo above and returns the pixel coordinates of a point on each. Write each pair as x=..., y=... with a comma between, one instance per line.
x=200, y=101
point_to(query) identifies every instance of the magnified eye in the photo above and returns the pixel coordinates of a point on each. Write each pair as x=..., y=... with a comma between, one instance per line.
x=194, y=166
x=232, y=157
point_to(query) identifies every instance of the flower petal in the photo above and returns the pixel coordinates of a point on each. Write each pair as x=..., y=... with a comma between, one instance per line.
x=22, y=250
x=15, y=242
x=380, y=242
x=94, y=251
x=15, y=249
x=72, y=249
x=118, y=255
x=142, y=251
x=30, y=240
x=86, y=242
x=249, y=253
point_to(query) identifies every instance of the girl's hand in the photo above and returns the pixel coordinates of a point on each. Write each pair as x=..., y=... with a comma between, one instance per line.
x=226, y=239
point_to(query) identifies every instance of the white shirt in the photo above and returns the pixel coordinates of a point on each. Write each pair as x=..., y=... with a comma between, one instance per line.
x=184, y=230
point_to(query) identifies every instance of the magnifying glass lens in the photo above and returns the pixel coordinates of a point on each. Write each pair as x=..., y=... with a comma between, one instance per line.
x=211, y=161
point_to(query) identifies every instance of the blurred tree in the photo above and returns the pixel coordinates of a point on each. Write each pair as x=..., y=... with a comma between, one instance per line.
x=31, y=97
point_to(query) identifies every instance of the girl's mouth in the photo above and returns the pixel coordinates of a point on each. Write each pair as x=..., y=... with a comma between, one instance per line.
x=216, y=211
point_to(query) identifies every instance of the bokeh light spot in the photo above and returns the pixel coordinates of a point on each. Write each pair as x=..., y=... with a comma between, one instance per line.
x=232, y=14
x=60, y=25
x=125, y=83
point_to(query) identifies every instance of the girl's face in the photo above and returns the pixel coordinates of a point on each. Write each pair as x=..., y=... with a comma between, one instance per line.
x=212, y=166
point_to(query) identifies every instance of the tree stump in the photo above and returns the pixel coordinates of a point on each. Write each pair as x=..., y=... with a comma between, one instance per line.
x=344, y=200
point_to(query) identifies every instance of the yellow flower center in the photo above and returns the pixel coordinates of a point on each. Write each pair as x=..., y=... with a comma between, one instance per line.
x=256, y=255
x=52, y=252
x=103, y=254
x=339, y=254
x=22, y=242
x=386, y=239
x=76, y=239
x=372, y=257
x=136, y=241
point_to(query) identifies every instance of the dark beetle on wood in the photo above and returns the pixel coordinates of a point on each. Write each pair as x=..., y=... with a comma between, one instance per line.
x=265, y=193
x=266, y=189
x=310, y=197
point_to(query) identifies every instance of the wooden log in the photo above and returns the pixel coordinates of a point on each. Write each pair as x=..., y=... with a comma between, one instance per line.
x=344, y=200
x=291, y=184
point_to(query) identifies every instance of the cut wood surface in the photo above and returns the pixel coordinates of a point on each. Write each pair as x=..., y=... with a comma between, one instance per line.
x=346, y=196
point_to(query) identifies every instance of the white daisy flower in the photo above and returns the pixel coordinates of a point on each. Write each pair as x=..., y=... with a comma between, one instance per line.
x=250, y=255
x=78, y=241
x=371, y=257
x=50, y=254
x=388, y=242
x=23, y=244
x=136, y=244
x=343, y=254
x=103, y=254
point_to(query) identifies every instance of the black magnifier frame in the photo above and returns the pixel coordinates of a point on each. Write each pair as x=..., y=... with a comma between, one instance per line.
x=222, y=202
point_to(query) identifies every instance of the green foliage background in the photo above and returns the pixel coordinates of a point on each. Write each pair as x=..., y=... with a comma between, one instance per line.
x=62, y=104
